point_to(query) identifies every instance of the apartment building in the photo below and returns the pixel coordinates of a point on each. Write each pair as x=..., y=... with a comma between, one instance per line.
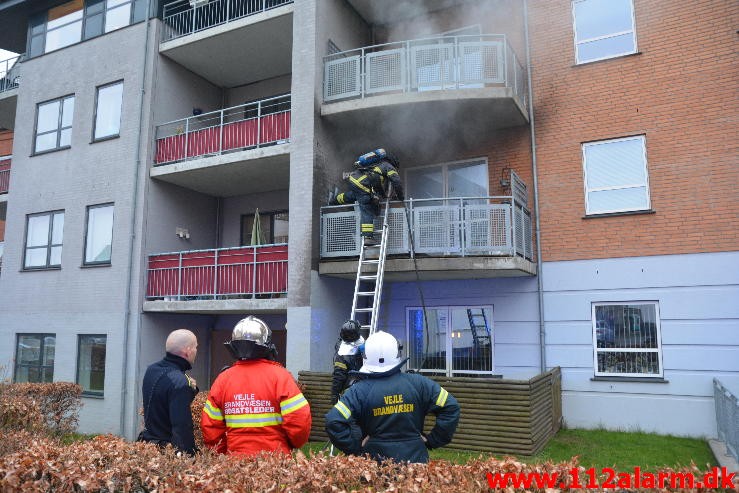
x=172, y=162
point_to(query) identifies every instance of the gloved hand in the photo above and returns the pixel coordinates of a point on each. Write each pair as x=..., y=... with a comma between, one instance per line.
x=399, y=194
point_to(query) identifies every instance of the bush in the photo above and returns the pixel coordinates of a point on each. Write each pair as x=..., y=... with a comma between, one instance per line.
x=40, y=407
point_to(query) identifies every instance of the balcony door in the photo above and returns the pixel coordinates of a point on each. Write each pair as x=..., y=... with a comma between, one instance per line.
x=457, y=179
x=273, y=227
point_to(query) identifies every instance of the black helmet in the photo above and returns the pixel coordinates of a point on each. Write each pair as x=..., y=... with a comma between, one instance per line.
x=350, y=331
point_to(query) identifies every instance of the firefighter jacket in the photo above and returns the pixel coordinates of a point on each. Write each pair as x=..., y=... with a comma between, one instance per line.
x=253, y=406
x=389, y=410
x=343, y=364
x=167, y=395
x=373, y=179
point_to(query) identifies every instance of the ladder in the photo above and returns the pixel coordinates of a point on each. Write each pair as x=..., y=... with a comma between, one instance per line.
x=479, y=327
x=370, y=273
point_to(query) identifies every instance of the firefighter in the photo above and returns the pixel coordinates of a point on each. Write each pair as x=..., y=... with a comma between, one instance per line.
x=255, y=405
x=383, y=413
x=348, y=358
x=369, y=183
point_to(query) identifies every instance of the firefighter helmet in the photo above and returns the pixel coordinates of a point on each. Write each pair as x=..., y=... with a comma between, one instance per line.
x=381, y=353
x=251, y=339
x=350, y=331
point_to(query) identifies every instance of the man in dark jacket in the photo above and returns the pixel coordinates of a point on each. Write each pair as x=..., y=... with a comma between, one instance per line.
x=348, y=358
x=168, y=392
x=384, y=412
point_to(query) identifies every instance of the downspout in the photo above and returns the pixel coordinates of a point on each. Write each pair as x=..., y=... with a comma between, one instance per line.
x=539, y=272
x=134, y=200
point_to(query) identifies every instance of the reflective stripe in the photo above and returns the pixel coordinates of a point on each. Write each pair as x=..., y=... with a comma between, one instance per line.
x=293, y=404
x=392, y=172
x=212, y=411
x=358, y=183
x=441, y=400
x=343, y=409
x=340, y=198
x=368, y=227
x=339, y=364
x=253, y=420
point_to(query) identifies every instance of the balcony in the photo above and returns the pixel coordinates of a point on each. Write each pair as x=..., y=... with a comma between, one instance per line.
x=225, y=280
x=228, y=152
x=4, y=175
x=453, y=238
x=9, y=82
x=229, y=42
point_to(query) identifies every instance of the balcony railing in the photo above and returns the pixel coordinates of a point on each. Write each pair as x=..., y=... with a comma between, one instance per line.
x=183, y=17
x=225, y=273
x=727, y=417
x=247, y=126
x=443, y=62
x=4, y=174
x=10, y=73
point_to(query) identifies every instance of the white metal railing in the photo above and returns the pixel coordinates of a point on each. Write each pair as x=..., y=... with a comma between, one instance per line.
x=10, y=73
x=460, y=226
x=223, y=273
x=727, y=417
x=441, y=62
x=250, y=125
x=183, y=17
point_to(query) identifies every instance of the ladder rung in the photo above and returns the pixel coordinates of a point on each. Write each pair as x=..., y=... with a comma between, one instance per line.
x=374, y=261
x=363, y=310
x=365, y=293
x=367, y=278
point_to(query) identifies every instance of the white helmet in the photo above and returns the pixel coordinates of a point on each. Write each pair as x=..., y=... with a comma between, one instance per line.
x=381, y=353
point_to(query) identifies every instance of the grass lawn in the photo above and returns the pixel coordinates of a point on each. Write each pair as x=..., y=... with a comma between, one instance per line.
x=600, y=448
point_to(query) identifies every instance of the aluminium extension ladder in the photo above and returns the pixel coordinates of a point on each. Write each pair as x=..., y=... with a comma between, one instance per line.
x=370, y=274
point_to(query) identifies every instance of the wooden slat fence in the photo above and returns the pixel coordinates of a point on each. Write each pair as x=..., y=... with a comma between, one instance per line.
x=498, y=415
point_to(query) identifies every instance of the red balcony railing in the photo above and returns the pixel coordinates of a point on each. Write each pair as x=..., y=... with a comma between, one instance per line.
x=225, y=273
x=245, y=126
x=4, y=174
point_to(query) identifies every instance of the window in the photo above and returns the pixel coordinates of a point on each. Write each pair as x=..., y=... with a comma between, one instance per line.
x=461, y=179
x=272, y=228
x=616, y=175
x=34, y=358
x=91, y=363
x=603, y=29
x=54, y=124
x=44, y=240
x=64, y=25
x=99, y=236
x=627, y=339
x=108, y=103
x=458, y=340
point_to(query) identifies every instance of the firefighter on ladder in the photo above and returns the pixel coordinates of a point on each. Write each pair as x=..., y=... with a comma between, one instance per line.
x=368, y=183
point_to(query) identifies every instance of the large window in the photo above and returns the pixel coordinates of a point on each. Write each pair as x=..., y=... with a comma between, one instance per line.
x=272, y=227
x=627, y=339
x=108, y=111
x=54, y=124
x=99, y=237
x=91, y=363
x=458, y=340
x=616, y=177
x=44, y=240
x=603, y=29
x=34, y=358
x=459, y=179
x=64, y=25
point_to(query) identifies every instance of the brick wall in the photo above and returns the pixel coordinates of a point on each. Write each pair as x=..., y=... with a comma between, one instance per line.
x=679, y=91
x=6, y=142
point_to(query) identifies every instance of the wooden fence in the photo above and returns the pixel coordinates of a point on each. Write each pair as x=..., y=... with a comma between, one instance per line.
x=498, y=415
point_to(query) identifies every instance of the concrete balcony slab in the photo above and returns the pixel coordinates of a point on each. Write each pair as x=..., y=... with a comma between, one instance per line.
x=218, y=307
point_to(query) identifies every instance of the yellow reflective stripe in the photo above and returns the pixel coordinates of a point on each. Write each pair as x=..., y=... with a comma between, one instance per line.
x=343, y=409
x=441, y=400
x=293, y=404
x=339, y=364
x=340, y=198
x=253, y=420
x=368, y=227
x=212, y=411
x=358, y=183
x=392, y=172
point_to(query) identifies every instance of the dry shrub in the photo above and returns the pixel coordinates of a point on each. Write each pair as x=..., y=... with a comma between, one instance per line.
x=196, y=408
x=54, y=407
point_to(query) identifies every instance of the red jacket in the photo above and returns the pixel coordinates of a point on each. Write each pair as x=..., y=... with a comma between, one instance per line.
x=253, y=406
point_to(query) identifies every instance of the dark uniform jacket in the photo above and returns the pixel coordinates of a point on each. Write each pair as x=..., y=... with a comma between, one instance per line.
x=373, y=179
x=167, y=395
x=341, y=378
x=391, y=408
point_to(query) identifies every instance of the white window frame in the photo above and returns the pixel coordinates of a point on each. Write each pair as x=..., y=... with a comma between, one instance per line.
x=483, y=161
x=85, y=261
x=448, y=364
x=597, y=350
x=611, y=35
x=648, y=205
x=97, y=113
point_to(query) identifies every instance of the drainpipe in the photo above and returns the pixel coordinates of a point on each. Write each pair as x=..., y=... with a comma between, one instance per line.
x=539, y=273
x=134, y=200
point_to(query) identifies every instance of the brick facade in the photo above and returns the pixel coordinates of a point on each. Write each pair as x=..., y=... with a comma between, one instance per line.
x=679, y=91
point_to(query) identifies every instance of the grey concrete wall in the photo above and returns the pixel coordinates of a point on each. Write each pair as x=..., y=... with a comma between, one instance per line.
x=258, y=90
x=75, y=300
x=234, y=207
x=699, y=322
